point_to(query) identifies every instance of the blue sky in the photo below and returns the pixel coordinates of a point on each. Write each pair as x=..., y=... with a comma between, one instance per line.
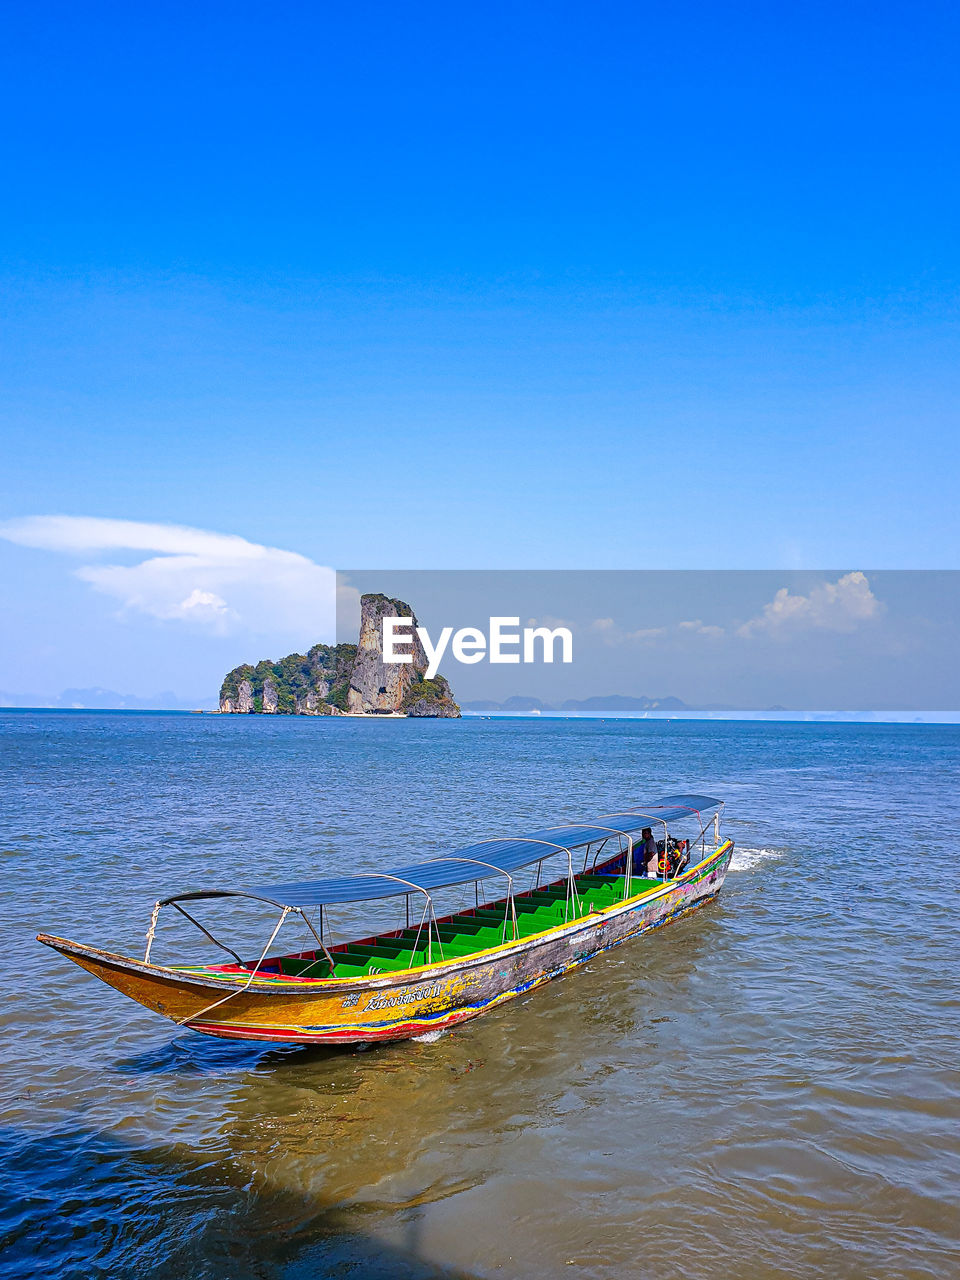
x=557, y=286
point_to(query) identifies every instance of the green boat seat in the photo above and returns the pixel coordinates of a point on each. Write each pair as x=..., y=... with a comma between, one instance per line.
x=482, y=941
x=468, y=924
x=350, y=965
x=388, y=950
x=409, y=937
x=293, y=968
x=552, y=907
x=531, y=924
x=448, y=934
x=454, y=952
x=367, y=958
x=605, y=884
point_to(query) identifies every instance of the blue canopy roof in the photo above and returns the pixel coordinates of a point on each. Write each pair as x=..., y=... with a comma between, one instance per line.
x=483, y=859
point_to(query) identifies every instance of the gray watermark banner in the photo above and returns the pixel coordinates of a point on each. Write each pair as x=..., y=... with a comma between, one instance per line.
x=676, y=642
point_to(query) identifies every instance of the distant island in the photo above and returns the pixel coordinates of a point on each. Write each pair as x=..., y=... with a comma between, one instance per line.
x=611, y=703
x=343, y=679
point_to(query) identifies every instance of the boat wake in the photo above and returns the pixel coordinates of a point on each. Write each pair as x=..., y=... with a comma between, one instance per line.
x=430, y=1037
x=745, y=859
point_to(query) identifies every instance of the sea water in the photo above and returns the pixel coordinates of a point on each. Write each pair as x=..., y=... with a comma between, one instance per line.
x=769, y=1087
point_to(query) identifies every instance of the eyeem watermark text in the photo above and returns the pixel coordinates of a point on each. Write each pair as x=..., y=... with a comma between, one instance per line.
x=504, y=643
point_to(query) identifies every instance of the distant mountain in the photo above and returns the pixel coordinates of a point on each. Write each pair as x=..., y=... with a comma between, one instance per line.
x=97, y=699
x=518, y=705
x=617, y=702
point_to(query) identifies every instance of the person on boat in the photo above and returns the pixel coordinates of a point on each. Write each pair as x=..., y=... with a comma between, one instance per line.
x=649, y=847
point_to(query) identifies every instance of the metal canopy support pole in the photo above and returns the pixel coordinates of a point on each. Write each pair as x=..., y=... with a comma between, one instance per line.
x=416, y=941
x=216, y=941
x=436, y=930
x=573, y=897
x=701, y=835
x=192, y=1017
x=600, y=849
x=560, y=848
x=427, y=909
x=511, y=909
x=330, y=960
x=622, y=835
x=653, y=817
x=209, y=895
x=616, y=831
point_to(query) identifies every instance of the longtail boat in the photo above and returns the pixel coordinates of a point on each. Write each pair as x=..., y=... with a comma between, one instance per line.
x=435, y=972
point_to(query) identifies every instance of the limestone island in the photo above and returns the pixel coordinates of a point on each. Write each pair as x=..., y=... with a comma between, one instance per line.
x=343, y=679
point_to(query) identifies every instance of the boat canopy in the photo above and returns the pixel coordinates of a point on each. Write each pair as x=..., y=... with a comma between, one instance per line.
x=478, y=861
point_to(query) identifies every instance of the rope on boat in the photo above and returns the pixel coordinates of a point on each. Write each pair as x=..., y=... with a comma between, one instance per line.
x=151, y=932
x=192, y=1017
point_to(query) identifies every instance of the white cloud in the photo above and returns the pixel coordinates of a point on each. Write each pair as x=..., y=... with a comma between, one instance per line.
x=202, y=604
x=697, y=627
x=549, y=620
x=611, y=633
x=839, y=606
x=214, y=581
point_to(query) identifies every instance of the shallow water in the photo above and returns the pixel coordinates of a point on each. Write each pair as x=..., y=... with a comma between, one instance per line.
x=769, y=1087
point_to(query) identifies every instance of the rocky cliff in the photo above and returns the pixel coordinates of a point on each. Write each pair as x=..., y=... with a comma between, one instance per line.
x=314, y=683
x=337, y=679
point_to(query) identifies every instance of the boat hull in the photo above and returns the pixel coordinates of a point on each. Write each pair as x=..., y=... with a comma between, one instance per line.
x=395, y=1006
